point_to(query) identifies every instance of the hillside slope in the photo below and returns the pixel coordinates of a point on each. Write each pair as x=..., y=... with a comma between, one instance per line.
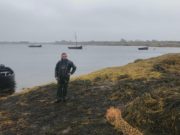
x=146, y=92
x=34, y=112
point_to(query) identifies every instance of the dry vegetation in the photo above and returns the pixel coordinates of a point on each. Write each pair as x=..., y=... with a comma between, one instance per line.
x=147, y=92
x=113, y=115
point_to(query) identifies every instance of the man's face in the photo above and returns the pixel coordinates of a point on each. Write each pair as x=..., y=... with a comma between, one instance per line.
x=64, y=56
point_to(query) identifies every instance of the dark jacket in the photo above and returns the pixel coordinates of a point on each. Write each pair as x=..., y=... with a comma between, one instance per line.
x=63, y=68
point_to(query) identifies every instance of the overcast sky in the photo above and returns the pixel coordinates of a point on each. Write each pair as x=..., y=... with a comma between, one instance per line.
x=50, y=20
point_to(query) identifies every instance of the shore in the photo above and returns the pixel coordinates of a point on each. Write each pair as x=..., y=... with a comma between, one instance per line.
x=139, y=98
x=122, y=42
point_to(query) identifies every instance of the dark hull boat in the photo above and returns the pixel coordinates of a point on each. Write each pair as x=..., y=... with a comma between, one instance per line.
x=75, y=47
x=7, y=81
x=35, y=46
x=143, y=48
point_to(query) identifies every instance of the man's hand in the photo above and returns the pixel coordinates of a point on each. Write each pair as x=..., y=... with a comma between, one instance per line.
x=56, y=78
x=69, y=74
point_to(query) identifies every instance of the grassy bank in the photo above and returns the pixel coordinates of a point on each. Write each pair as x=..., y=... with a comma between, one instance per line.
x=139, y=98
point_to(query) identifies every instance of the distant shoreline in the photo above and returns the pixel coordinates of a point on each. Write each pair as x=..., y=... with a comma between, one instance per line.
x=152, y=43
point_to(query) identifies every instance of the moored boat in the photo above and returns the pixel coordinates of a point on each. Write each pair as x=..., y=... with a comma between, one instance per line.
x=143, y=48
x=7, y=80
x=75, y=47
x=35, y=46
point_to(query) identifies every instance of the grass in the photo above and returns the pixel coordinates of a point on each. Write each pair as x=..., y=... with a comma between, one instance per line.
x=138, y=98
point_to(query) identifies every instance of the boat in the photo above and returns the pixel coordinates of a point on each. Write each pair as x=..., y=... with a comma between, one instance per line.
x=143, y=48
x=35, y=46
x=7, y=81
x=75, y=47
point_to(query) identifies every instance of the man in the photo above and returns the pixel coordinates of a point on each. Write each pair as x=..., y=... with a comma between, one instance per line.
x=64, y=68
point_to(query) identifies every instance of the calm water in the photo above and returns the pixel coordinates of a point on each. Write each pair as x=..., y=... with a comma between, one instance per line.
x=35, y=66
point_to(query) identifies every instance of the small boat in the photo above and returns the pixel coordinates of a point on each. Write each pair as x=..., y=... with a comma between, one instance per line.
x=143, y=48
x=35, y=46
x=75, y=47
x=7, y=81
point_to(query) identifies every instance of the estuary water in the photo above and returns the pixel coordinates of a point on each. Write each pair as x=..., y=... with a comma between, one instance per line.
x=35, y=66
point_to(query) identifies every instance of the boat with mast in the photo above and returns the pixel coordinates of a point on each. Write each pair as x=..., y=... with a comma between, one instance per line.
x=75, y=47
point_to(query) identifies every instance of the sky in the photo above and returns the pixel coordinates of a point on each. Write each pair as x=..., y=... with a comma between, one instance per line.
x=55, y=20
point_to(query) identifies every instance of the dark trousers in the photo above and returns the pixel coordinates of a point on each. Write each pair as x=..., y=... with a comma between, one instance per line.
x=62, y=87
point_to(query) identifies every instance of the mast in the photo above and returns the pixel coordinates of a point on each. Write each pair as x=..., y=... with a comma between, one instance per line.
x=76, y=38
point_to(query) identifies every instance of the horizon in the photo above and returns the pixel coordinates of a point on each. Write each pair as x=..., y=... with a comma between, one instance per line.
x=136, y=40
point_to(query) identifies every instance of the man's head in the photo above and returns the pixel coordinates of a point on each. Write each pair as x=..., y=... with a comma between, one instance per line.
x=64, y=56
